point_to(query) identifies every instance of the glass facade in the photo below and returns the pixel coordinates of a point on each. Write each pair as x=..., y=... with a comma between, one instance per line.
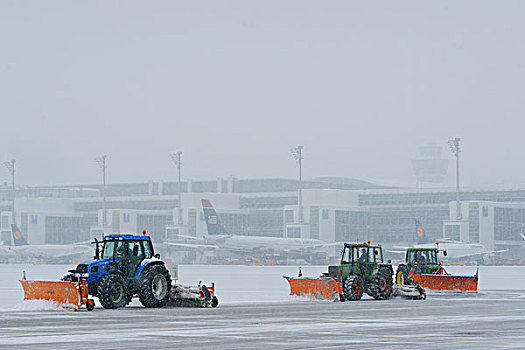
x=507, y=223
x=473, y=222
x=64, y=230
x=452, y=232
x=155, y=225
x=293, y=232
x=314, y=222
x=350, y=226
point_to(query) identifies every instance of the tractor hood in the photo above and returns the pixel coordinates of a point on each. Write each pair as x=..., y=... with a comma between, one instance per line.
x=93, y=269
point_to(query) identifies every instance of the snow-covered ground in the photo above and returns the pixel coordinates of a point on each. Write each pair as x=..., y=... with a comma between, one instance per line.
x=238, y=284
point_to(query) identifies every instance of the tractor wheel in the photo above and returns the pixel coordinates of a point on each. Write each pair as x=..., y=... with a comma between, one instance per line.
x=382, y=284
x=155, y=287
x=402, y=275
x=112, y=292
x=353, y=287
x=214, y=301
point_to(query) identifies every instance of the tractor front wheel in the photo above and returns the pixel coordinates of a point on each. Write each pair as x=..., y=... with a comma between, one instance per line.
x=353, y=287
x=402, y=275
x=155, y=287
x=112, y=292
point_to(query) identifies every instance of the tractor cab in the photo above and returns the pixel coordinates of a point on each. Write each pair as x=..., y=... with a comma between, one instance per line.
x=419, y=261
x=362, y=270
x=127, y=252
x=424, y=260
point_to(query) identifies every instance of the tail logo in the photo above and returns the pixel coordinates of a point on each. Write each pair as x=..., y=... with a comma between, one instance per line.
x=419, y=231
x=17, y=235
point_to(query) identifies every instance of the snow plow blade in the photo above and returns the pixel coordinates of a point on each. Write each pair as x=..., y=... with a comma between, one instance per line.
x=441, y=281
x=65, y=293
x=320, y=288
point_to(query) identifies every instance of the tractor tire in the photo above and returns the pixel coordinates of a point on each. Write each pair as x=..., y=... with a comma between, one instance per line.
x=214, y=301
x=402, y=275
x=155, y=287
x=381, y=288
x=353, y=287
x=112, y=292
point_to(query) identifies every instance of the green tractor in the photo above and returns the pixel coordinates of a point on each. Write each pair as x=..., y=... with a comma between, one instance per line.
x=362, y=270
x=420, y=261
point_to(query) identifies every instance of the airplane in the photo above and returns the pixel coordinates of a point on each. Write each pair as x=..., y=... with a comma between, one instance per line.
x=219, y=239
x=456, y=251
x=47, y=252
x=6, y=253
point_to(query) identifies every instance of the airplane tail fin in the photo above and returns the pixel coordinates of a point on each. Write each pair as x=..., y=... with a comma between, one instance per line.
x=420, y=233
x=18, y=239
x=212, y=219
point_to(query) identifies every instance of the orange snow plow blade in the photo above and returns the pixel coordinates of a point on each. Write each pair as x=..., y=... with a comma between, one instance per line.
x=441, y=281
x=320, y=288
x=65, y=293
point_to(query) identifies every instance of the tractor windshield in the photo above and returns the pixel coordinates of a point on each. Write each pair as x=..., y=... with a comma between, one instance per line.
x=426, y=257
x=347, y=256
x=109, y=248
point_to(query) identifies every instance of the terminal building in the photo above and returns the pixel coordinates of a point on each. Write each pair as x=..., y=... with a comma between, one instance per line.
x=332, y=210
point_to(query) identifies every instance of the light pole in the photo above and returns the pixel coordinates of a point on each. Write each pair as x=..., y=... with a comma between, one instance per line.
x=176, y=158
x=297, y=153
x=454, y=147
x=11, y=168
x=102, y=164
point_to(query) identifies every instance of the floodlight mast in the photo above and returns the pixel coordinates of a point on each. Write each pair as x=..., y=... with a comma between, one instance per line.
x=101, y=161
x=11, y=168
x=297, y=153
x=454, y=147
x=176, y=158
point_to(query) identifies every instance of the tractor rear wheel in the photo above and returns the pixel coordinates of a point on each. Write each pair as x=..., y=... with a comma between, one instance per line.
x=112, y=292
x=155, y=287
x=353, y=287
x=382, y=284
x=402, y=275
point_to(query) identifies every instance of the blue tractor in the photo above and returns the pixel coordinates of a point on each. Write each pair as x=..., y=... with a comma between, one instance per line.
x=127, y=266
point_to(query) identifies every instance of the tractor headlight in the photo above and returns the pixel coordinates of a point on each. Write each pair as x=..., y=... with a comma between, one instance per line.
x=85, y=275
x=77, y=275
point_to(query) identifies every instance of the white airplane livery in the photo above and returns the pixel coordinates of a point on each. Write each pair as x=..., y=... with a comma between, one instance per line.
x=456, y=251
x=46, y=251
x=218, y=238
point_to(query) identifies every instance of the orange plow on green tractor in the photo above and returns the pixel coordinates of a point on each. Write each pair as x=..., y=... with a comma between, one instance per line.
x=361, y=271
x=422, y=267
x=442, y=281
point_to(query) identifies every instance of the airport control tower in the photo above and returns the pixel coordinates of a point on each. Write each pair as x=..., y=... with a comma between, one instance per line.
x=429, y=165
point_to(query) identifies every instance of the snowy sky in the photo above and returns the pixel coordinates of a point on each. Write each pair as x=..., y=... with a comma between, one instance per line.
x=235, y=84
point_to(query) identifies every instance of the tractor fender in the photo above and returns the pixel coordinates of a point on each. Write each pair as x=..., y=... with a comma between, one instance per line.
x=146, y=264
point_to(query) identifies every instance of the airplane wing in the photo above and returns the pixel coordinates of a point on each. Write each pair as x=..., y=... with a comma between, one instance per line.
x=314, y=247
x=522, y=235
x=479, y=254
x=192, y=246
x=396, y=251
x=192, y=238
